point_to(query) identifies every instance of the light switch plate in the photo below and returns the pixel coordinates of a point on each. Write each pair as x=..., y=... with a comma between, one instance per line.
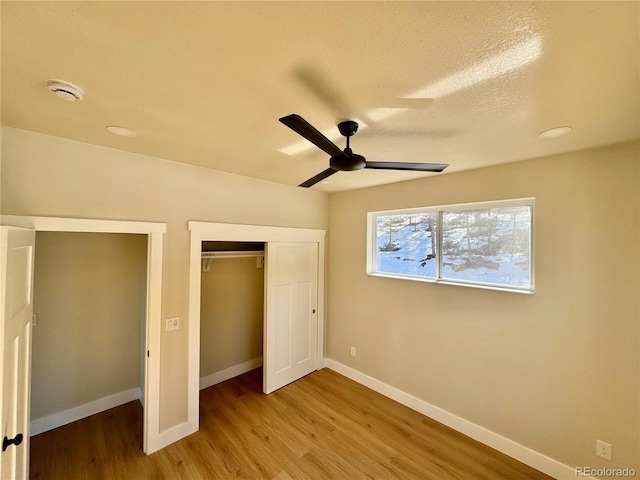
x=173, y=323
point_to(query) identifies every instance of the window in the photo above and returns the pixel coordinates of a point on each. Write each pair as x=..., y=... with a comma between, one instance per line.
x=486, y=244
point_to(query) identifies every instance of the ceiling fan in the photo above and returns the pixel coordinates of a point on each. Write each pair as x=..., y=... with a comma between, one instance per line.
x=346, y=160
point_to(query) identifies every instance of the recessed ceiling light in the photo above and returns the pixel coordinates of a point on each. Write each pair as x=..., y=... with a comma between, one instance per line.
x=123, y=132
x=555, y=132
x=65, y=90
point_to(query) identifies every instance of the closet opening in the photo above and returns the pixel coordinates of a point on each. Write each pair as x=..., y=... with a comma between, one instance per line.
x=89, y=329
x=231, y=310
x=290, y=327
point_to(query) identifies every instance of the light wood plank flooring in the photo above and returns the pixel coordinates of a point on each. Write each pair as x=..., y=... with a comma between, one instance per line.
x=323, y=426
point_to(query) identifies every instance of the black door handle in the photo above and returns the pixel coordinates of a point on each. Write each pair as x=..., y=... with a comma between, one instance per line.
x=7, y=442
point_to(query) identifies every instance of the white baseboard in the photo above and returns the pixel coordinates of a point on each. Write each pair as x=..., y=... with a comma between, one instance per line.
x=227, y=373
x=494, y=440
x=55, y=420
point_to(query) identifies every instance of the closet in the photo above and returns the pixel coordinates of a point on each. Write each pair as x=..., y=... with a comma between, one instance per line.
x=89, y=322
x=231, y=309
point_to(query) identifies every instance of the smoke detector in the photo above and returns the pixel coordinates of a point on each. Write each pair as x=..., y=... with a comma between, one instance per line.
x=65, y=90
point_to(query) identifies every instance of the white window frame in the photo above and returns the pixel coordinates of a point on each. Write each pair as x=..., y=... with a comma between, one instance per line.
x=439, y=210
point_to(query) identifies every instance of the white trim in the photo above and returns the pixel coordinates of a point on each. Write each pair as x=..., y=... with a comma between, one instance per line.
x=193, y=372
x=494, y=440
x=228, y=373
x=510, y=202
x=482, y=285
x=153, y=330
x=232, y=232
x=209, y=231
x=59, y=224
x=321, y=315
x=155, y=232
x=58, y=419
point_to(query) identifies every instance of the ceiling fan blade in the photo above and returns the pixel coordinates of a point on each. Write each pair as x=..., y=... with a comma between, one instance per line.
x=308, y=131
x=418, y=167
x=318, y=178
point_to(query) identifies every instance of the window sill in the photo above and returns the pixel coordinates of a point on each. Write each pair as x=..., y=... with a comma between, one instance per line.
x=526, y=291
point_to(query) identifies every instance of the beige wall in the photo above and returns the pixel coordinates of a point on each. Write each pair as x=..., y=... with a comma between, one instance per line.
x=553, y=371
x=89, y=297
x=50, y=176
x=231, y=314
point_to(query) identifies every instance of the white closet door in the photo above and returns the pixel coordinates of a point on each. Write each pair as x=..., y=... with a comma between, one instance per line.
x=291, y=319
x=17, y=248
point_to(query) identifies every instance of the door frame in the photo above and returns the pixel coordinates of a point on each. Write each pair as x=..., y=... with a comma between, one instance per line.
x=153, y=321
x=231, y=232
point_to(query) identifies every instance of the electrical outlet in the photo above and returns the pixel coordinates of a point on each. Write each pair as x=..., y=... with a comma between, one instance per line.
x=353, y=351
x=603, y=449
x=173, y=323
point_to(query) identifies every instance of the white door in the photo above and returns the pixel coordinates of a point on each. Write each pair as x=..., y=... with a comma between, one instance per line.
x=17, y=247
x=291, y=320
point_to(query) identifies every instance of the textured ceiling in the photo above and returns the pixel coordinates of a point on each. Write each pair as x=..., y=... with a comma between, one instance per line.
x=469, y=84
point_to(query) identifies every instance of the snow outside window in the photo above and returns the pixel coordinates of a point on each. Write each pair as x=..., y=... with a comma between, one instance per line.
x=482, y=244
x=406, y=244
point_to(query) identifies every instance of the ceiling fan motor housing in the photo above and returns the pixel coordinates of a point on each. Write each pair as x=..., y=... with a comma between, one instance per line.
x=347, y=161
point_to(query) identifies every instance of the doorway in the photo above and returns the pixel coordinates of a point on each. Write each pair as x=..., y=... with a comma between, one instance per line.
x=154, y=233
x=231, y=310
x=298, y=247
x=88, y=325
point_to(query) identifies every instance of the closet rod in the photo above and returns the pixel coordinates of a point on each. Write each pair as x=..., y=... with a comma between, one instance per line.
x=233, y=254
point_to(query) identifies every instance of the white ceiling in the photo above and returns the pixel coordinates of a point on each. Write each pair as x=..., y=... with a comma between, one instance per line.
x=205, y=82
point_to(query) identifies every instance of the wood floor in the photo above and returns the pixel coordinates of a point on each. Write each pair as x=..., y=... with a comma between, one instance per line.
x=323, y=426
